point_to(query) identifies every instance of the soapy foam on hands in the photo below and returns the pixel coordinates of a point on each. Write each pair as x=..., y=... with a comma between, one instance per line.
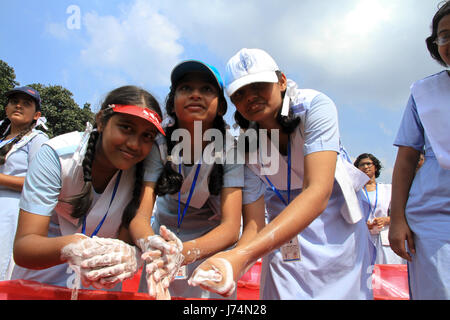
x=201, y=277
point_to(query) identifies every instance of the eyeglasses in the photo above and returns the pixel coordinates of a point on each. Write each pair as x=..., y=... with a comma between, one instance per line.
x=443, y=39
x=365, y=164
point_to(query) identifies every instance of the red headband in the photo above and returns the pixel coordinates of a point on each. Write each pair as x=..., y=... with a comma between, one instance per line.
x=140, y=112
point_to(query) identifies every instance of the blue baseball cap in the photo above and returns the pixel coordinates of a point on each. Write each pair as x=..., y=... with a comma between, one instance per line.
x=195, y=66
x=29, y=91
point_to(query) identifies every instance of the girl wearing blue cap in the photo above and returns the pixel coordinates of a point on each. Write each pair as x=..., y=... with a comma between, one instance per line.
x=316, y=244
x=19, y=143
x=199, y=192
x=420, y=206
x=74, y=208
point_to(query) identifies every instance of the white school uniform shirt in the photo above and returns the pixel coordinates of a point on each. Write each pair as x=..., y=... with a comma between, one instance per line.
x=16, y=164
x=48, y=186
x=202, y=215
x=376, y=206
x=428, y=207
x=335, y=248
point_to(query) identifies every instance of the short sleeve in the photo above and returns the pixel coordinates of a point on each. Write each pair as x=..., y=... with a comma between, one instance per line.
x=42, y=184
x=254, y=187
x=153, y=165
x=35, y=145
x=233, y=176
x=411, y=132
x=321, y=129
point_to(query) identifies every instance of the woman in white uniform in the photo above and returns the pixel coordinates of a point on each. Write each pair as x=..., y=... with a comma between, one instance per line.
x=19, y=143
x=376, y=205
x=421, y=202
x=316, y=245
x=199, y=200
x=80, y=193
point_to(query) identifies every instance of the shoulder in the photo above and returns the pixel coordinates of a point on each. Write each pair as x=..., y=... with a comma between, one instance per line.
x=65, y=143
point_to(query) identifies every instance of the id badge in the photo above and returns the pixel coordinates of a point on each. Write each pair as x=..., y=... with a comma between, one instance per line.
x=182, y=273
x=290, y=251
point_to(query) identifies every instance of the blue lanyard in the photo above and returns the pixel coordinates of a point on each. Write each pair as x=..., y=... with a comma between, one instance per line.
x=288, y=177
x=83, y=230
x=191, y=192
x=372, y=211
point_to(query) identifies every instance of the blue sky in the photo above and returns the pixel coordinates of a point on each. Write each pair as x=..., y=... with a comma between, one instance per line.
x=364, y=54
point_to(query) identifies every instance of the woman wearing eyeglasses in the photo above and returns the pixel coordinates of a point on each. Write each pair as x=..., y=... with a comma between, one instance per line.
x=376, y=203
x=421, y=202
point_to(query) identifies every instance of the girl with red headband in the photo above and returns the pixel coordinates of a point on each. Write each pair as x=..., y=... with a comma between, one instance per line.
x=76, y=207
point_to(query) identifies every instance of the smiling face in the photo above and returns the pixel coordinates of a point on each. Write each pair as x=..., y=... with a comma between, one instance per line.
x=126, y=140
x=367, y=166
x=196, y=99
x=259, y=101
x=21, y=110
x=444, y=31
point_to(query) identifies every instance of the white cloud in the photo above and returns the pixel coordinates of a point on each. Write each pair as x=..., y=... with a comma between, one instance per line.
x=140, y=46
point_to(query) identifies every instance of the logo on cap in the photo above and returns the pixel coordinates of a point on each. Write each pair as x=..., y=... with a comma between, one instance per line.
x=31, y=91
x=245, y=62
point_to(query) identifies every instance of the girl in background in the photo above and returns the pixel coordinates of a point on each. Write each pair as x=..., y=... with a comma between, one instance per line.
x=376, y=205
x=19, y=143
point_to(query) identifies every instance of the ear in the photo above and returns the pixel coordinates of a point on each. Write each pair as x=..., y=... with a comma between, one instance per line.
x=37, y=115
x=282, y=82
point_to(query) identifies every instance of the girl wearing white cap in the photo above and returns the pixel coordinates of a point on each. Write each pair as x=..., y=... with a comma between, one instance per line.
x=74, y=208
x=316, y=245
x=19, y=143
x=198, y=199
x=421, y=202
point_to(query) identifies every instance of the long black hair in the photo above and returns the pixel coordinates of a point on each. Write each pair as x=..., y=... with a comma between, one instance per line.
x=129, y=95
x=170, y=181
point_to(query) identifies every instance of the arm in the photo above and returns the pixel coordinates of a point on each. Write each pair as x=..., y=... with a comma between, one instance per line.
x=140, y=226
x=12, y=182
x=222, y=236
x=225, y=268
x=32, y=248
x=402, y=177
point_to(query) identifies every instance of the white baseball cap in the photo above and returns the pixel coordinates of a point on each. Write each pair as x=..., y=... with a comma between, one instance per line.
x=249, y=66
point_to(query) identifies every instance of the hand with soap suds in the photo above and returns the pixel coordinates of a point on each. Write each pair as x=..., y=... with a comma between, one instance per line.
x=216, y=275
x=164, y=257
x=102, y=262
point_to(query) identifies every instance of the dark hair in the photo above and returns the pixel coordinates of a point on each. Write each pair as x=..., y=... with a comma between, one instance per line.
x=288, y=123
x=4, y=131
x=123, y=95
x=170, y=181
x=374, y=159
x=433, y=47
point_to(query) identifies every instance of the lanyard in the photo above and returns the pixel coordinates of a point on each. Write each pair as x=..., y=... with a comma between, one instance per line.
x=83, y=230
x=372, y=211
x=191, y=192
x=288, y=177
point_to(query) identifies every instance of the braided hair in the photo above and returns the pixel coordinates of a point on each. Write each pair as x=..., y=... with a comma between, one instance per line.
x=170, y=181
x=123, y=95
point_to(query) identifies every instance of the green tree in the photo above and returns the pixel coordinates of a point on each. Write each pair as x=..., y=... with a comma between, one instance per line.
x=62, y=112
x=7, y=82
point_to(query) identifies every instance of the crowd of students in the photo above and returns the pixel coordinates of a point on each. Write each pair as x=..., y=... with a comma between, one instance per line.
x=83, y=202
